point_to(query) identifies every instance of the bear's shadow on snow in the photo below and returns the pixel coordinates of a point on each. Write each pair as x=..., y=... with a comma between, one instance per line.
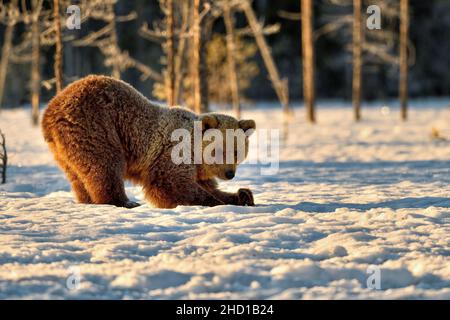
x=51, y=179
x=403, y=203
x=374, y=173
x=361, y=174
x=353, y=172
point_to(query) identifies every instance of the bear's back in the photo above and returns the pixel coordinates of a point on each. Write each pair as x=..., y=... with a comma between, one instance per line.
x=96, y=97
x=94, y=92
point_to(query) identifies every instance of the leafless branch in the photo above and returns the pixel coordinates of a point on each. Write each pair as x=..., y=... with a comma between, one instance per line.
x=3, y=157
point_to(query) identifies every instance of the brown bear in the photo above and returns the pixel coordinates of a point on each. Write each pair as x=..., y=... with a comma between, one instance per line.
x=102, y=131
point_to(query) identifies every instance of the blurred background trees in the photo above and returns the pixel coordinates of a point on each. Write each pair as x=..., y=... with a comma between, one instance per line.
x=197, y=46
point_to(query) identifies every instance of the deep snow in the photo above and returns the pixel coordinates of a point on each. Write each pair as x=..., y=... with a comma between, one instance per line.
x=347, y=196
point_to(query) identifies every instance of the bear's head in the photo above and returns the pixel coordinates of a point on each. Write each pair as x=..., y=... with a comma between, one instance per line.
x=225, y=144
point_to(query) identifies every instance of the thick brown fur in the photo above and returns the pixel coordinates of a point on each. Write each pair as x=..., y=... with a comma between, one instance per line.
x=102, y=132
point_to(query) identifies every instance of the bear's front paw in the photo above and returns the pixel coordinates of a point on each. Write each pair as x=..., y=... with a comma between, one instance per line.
x=131, y=205
x=245, y=197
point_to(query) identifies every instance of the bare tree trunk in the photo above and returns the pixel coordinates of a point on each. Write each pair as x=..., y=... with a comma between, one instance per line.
x=115, y=67
x=6, y=50
x=58, y=47
x=170, y=51
x=3, y=157
x=180, y=52
x=404, y=34
x=280, y=86
x=196, y=48
x=308, y=59
x=205, y=29
x=231, y=51
x=357, y=58
x=35, y=63
x=114, y=41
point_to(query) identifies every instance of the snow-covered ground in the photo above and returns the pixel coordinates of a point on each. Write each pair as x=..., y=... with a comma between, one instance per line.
x=348, y=199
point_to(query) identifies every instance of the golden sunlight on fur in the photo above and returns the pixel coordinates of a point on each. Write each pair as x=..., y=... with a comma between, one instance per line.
x=102, y=132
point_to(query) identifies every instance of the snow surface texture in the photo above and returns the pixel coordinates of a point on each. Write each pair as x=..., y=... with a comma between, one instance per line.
x=347, y=196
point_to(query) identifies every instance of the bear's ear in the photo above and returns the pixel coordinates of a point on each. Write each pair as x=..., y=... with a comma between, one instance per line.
x=209, y=121
x=247, y=124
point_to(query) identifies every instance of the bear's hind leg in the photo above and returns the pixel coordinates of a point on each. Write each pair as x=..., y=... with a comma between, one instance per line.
x=78, y=188
x=98, y=162
x=80, y=191
x=105, y=185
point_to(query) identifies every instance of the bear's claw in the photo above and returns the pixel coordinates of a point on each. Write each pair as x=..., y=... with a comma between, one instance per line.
x=245, y=197
x=131, y=205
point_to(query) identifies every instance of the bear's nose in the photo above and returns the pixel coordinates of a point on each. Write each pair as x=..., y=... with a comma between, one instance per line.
x=229, y=174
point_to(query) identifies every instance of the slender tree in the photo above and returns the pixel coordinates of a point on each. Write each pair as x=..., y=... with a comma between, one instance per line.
x=357, y=58
x=179, y=60
x=206, y=24
x=6, y=50
x=35, y=60
x=231, y=52
x=11, y=20
x=308, y=58
x=196, y=52
x=170, y=50
x=280, y=85
x=199, y=70
x=116, y=71
x=58, y=66
x=404, y=34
